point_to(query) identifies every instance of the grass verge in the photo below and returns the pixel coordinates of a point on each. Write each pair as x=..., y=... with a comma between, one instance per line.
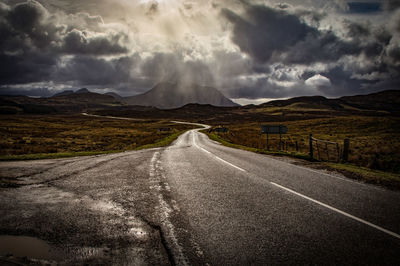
x=367, y=175
x=389, y=180
x=161, y=143
x=256, y=150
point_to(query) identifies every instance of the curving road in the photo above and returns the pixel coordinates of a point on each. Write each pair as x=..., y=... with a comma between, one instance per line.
x=198, y=202
x=246, y=208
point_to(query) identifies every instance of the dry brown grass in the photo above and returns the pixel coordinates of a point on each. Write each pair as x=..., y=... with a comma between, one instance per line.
x=77, y=133
x=374, y=141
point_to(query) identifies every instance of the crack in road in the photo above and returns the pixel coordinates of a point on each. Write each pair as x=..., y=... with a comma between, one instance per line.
x=175, y=250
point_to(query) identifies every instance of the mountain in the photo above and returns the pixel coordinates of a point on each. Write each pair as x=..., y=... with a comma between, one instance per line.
x=63, y=93
x=168, y=95
x=70, y=92
x=115, y=95
x=66, y=101
x=83, y=90
x=388, y=100
x=310, y=102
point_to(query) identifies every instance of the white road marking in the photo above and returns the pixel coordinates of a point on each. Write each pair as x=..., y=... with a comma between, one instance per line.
x=156, y=176
x=339, y=211
x=218, y=158
x=237, y=167
x=282, y=187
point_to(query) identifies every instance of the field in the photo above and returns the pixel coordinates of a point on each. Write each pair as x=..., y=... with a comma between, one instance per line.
x=374, y=141
x=65, y=135
x=374, y=136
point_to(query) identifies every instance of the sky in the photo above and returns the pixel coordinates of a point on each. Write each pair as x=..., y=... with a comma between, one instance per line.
x=250, y=50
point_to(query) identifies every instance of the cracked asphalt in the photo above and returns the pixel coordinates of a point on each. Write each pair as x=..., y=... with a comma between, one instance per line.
x=194, y=203
x=97, y=209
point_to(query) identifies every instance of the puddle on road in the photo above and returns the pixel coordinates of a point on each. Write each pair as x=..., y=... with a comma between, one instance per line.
x=31, y=247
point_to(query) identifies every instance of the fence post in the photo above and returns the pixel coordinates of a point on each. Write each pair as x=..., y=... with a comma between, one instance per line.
x=338, y=152
x=327, y=150
x=319, y=156
x=311, y=147
x=346, y=146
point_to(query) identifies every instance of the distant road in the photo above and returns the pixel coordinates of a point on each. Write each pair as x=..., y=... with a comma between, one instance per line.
x=212, y=204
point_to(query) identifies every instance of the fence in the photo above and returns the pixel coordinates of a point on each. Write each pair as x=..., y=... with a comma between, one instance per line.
x=328, y=150
x=318, y=149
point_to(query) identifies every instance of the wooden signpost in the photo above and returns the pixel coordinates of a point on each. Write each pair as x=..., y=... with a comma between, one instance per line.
x=274, y=129
x=220, y=129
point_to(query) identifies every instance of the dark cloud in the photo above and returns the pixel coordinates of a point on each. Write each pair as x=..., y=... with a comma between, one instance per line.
x=355, y=29
x=256, y=51
x=391, y=5
x=319, y=47
x=79, y=42
x=364, y=7
x=355, y=64
x=33, y=44
x=29, y=26
x=26, y=16
x=263, y=31
x=34, y=92
x=26, y=67
x=268, y=34
x=89, y=70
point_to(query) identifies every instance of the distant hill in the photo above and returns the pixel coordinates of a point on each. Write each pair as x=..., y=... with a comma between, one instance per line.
x=83, y=90
x=63, y=93
x=381, y=101
x=167, y=95
x=66, y=101
x=202, y=102
x=115, y=95
x=388, y=100
x=313, y=102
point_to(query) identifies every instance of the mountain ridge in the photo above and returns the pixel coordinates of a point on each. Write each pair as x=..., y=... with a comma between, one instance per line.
x=374, y=103
x=170, y=95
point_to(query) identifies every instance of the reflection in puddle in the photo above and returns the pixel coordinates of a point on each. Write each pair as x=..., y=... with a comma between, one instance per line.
x=25, y=246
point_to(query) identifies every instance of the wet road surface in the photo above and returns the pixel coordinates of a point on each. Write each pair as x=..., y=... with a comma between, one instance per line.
x=197, y=202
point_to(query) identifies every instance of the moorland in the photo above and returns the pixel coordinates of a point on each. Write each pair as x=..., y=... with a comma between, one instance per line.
x=56, y=126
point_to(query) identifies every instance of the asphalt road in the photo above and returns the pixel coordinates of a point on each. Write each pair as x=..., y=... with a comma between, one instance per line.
x=246, y=208
x=198, y=202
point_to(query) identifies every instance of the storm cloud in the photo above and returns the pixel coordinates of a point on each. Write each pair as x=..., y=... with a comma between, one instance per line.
x=246, y=49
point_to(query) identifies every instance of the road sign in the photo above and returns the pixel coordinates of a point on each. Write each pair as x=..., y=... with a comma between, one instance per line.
x=162, y=129
x=268, y=129
x=221, y=129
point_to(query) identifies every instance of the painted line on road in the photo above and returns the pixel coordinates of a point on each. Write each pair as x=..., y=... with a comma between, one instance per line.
x=237, y=167
x=222, y=160
x=339, y=211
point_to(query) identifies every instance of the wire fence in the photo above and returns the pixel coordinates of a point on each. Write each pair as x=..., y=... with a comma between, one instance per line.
x=318, y=149
x=324, y=150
